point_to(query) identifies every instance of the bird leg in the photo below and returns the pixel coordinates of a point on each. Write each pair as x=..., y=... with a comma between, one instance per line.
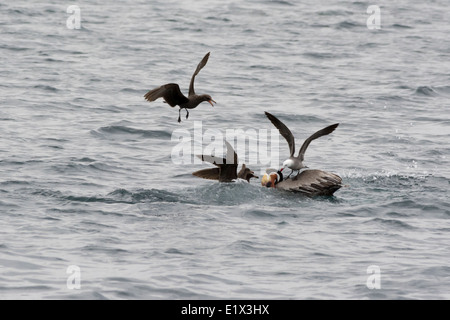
x=179, y=116
x=187, y=113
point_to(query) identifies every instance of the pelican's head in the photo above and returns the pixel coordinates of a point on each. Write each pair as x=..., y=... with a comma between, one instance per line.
x=270, y=178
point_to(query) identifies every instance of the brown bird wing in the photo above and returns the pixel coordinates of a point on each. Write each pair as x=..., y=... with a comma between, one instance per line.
x=199, y=67
x=228, y=171
x=211, y=174
x=230, y=159
x=312, y=183
x=170, y=92
x=318, y=134
x=284, y=131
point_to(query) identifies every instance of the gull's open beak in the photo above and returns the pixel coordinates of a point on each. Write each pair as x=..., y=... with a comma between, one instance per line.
x=253, y=174
x=211, y=102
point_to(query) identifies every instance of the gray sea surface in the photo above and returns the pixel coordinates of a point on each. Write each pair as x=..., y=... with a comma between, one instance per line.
x=88, y=179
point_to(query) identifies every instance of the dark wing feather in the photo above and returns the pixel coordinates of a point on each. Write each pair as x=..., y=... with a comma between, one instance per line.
x=211, y=159
x=211, y=174
x=227, y=167
x=313, y=183
x=284, y=131
x=170, y=92
x=316, y=135
x=228, y=171
x=199, y=67
x=232, y=157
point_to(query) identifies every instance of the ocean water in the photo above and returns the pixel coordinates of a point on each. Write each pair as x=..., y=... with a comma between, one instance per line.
x=88, y=180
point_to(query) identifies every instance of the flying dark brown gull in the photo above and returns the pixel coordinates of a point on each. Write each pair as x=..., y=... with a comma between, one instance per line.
x=171, y=93
x=296, y=162
x=308, y=182
x=226, y=170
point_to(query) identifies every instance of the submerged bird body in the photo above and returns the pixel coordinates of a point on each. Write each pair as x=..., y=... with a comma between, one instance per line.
x=226, y=170
x=308, y=182
x=173, y=96
x=312, y=183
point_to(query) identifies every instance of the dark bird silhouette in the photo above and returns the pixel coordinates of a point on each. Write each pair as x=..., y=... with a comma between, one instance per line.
x=226, y=170
x=172, y=95
x=296, y=162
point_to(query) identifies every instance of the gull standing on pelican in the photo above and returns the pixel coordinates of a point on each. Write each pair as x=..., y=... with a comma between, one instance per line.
x=308, y=182
x=296, y=162
x=172, y=95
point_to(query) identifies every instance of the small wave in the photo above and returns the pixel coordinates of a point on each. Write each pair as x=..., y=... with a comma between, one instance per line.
x=84, y=159
x=438, y=271
x=54, y=60
x=257, y=213
x=92, y=199
x=244, y=246
x=282, y=2
x=384, y=176
x=226, y=193
x=104, y=249
x=443, y=90
x=46, y=88
x=177, y=251
x=13, y=48
x=85, y=166
x=320, y=25
x=123, y=130
x=23, y=11
x=426, y=91
x=347, y=25
x=20, y=163
x=19, y=264
x=319, y=55
x=117, y=196
x=222, y=19
x=401, y=204
x=401, y=26
x=75, y=198
x=132, y=90
x=14, y=182
x=334, y=13
x=394, y=223
x=5, y=205
x=152, y=195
